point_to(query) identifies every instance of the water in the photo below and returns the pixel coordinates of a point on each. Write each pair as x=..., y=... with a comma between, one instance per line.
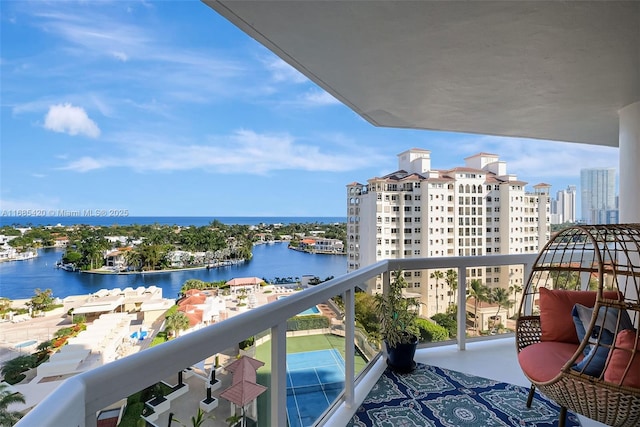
x=26, y=344
x=18, y=279
x=198, y=221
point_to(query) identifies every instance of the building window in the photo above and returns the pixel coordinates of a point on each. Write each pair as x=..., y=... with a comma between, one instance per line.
x=416, y=252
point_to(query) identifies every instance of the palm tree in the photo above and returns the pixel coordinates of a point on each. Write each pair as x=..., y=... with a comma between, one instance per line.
x=478, y=292
x=176, y=322
x=13, y=369
x=197, y=420
x=500, y=296
x=516, y=289
x=437, y=275
x=451, y=279
x=133, y=259
x=7, y=417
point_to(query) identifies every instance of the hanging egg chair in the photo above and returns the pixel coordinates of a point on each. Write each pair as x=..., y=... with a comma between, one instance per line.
x=577, y=329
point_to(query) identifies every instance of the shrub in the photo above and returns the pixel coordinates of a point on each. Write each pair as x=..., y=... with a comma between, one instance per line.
x=159, y=339
x=132, y=414
x=247, y=343
x=63, y=332
x=431, y=332
x=79, y=319
x=302, y=323
x=447, y=321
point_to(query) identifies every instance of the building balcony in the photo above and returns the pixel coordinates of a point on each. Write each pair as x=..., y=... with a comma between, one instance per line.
x=79, y=399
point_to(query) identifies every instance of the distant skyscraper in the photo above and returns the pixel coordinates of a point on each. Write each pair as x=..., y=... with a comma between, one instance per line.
x=563, y=209
x=598, y=195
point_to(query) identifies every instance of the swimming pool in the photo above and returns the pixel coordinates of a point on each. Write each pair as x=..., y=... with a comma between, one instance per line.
x=308, y=312
x=26, y=344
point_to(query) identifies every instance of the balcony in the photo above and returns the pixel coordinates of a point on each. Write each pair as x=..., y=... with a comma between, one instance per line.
x=77, y=401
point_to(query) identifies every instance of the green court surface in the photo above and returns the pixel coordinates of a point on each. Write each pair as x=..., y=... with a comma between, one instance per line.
x=296, y=345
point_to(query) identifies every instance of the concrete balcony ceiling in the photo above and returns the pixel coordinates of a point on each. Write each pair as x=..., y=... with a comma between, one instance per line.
x=553, y=70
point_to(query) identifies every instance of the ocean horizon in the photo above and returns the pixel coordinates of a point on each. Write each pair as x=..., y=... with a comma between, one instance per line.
x=196, y=221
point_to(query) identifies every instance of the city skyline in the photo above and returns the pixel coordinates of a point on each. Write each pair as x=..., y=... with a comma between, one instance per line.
x=165, y=108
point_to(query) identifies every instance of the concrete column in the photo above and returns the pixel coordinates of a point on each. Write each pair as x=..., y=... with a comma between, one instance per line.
x=629, y=143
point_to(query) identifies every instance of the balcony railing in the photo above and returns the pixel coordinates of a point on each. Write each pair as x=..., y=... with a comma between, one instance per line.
x=77, y=400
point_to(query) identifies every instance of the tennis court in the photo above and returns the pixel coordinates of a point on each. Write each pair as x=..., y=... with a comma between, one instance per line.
x=314, y=380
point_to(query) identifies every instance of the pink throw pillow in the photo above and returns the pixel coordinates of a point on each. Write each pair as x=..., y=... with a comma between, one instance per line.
x=626, y=342
x=555, y=305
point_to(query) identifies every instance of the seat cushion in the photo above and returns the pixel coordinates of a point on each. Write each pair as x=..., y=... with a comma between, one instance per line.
x=556, y=322
x=623, y=356
x=542, y=361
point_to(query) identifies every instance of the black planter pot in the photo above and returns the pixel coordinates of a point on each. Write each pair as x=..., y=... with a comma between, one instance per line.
x=400, y=357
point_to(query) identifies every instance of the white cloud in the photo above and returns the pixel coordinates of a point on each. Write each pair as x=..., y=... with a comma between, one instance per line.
x=38, y=175
x=244, y=151
x=283, y=72
x=320, y=97
x=66, y=118
x=86, y=164
x=43, y=203
x=551, y=159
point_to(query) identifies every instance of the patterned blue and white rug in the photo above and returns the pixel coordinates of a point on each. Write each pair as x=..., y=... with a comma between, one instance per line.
x=431, y=396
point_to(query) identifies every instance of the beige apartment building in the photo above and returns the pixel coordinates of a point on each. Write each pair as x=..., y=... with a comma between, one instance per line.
x=474, y=210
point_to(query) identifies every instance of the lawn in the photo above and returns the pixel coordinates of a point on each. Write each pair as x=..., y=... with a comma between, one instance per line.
x=295, y=345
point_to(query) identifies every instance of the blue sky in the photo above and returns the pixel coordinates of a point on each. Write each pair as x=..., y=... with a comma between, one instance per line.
x=165, y=108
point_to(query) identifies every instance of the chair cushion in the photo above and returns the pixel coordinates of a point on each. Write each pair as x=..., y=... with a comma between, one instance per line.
x=541, y=362
x=556, y=322
x=621, y=357
x=607, y=318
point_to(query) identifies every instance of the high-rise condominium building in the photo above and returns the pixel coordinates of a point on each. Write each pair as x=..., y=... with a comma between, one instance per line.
x=563, y=208
x=418, y=212
x=598, y=195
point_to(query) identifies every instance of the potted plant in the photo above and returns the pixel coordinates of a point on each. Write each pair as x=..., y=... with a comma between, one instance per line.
x=398, y=327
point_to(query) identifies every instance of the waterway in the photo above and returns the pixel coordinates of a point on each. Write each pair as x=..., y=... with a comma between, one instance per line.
x=19, y=279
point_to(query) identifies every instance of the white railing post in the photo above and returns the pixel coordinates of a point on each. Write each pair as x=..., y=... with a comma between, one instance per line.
x=279, y=374
x=462, y=308
x=349, y=350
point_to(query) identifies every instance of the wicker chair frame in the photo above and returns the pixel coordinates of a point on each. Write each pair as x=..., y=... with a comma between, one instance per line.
x=600, y=258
